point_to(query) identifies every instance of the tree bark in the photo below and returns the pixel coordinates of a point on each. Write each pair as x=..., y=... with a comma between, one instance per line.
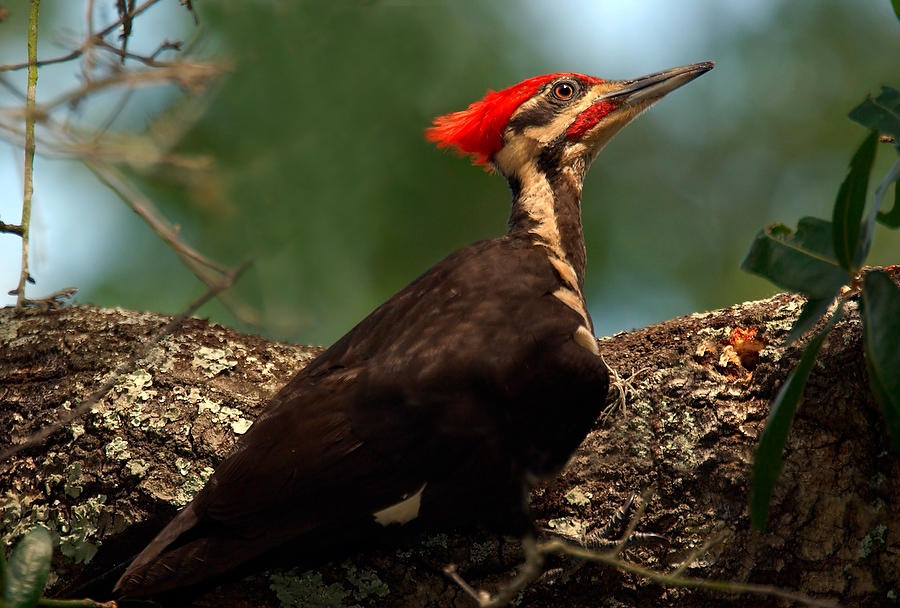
x=692, y=416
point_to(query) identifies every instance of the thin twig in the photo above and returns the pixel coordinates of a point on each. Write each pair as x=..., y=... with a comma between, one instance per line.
x=116, y=112
x=24, y=275
x=88, y=65
x=610, y=559
x=126, y=367
x=479, y=595
x=186, y=75
x=11, y=228
x=531, y=570
x=79, y=51
x=54, y=603
x=58, y=139
x=149, y=60
x=699, y=552
x=143, y=206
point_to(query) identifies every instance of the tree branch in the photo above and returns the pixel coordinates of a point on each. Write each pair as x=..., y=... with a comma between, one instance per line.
x=689, y=428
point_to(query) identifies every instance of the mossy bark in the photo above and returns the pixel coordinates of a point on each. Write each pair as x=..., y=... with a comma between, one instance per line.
x=692, y=417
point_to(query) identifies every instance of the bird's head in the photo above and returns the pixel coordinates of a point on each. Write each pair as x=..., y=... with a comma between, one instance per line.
x=561, y=119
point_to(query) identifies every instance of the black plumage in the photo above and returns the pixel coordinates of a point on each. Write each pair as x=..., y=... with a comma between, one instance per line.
x=468, y=381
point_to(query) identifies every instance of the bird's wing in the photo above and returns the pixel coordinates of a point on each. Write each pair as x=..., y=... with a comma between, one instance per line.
x=369, y=421
x=298, y=469
x=434, y=362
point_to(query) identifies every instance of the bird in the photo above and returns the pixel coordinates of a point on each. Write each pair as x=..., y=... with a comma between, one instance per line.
x=449, y=401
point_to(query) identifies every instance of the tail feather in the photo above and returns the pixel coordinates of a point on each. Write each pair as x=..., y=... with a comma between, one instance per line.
x=187, y=552
x=142, y=577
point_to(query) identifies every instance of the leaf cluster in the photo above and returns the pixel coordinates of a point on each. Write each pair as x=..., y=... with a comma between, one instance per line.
x=24, y=577
x=823, y=260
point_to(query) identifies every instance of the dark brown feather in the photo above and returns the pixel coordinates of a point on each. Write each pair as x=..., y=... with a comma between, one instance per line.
x=448, y=383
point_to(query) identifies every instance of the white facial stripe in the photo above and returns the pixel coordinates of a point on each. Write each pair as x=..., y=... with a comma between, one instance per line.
x=585, y=339
x=537, y=200
x=516, y=153
x=573, y=300
x=550, y=131
x=565, y=270
x=403, y=512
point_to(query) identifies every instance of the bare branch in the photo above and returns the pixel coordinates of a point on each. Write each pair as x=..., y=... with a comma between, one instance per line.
x=24, y=275
x=11, y=228
x=33, y=62
x=699, y=551
x=149, y=60
x=190, y=76
x=610, y=559
x=143, y=206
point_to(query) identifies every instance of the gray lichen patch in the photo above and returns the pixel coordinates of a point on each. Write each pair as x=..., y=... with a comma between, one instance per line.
x=569, y=527
x=308, y=589
x=578, y=497
x=192, y=485
x=137, y=467
x=73, y=479
x=365, y=583
x=480, y=552
x=227, y=415
x=77, y=529
x=82, y=524
x=213, y=360
x=125, y=448
x=436, y=540
x=137, y=385
x=679, y=439
x=117, y=449
x=873, y=540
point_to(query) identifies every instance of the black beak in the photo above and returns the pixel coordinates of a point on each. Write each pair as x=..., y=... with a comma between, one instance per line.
x=653, y=86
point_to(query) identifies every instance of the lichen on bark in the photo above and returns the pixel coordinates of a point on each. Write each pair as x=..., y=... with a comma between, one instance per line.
x=694, y=410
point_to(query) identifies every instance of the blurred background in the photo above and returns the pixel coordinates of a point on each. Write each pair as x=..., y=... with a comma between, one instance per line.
x=319, y=172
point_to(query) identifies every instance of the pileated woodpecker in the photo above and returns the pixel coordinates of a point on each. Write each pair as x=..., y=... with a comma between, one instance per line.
x=451, y=398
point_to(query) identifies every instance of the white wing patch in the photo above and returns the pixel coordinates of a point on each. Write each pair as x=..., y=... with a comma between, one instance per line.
x=403, y=512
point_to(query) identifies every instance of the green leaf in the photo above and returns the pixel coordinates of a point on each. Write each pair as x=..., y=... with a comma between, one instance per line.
x=896, y=5
x=28, y=569
x=812, y=311
x=851, y=200
x=876, y=215
x=891, y=218
x=768, y=463
x=801, y=261
x=881, y=331
x=3, y=574
x=881, y=113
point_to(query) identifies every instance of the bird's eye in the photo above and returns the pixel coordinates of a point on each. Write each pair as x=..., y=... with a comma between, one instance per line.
x=564, y=91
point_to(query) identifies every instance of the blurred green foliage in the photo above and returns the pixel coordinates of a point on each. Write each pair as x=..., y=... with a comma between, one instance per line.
x=324, y=178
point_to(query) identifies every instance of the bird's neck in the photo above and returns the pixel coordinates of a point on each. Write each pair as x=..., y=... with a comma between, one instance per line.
x=546, y=210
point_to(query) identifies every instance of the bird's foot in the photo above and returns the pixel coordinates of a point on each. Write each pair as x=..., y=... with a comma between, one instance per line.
x=529, y=572
x=618, y=530
x=54, y=301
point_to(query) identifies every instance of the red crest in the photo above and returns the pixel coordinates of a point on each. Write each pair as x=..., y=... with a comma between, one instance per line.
x=478, y=130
